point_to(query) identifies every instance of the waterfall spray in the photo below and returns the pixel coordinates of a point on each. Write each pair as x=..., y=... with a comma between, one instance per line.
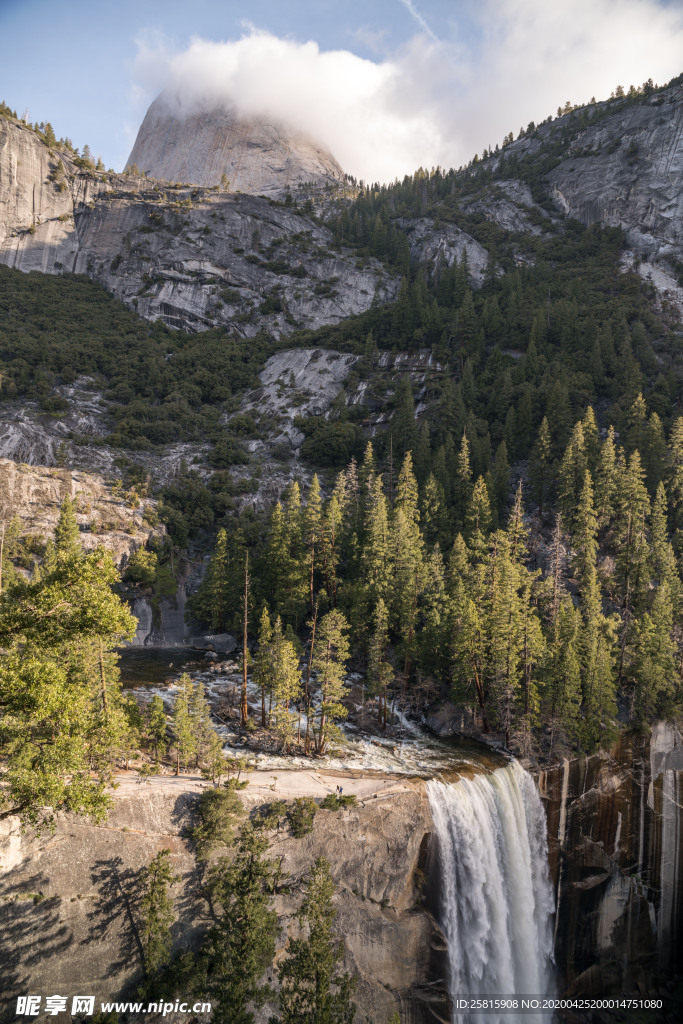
x=497, y=899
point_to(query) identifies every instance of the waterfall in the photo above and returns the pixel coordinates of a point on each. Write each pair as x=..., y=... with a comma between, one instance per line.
x=497, y=899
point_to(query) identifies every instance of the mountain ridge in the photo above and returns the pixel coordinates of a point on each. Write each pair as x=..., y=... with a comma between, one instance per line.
x=255, y=155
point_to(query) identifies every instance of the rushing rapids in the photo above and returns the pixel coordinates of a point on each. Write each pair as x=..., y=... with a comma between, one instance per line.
x=496, y=896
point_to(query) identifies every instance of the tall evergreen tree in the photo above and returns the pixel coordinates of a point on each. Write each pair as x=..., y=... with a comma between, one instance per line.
x=157, y=910
x=584, y=537
x=312, y=988
x=263, y=664
x=541, y=459
x=67, y=534
x=572, y=474
x=184, y=735
x=156, y=725
x=478, y=519
x=313, y=529
x=329, y=662
x=286, y=684
x=241, y=944
x=606, y=481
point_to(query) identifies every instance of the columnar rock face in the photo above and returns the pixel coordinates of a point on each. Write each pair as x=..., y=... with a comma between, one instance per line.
x=614, y=831
x=256, y=155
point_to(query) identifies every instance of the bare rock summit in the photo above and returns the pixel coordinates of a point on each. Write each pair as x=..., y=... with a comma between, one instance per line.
x=256, y=155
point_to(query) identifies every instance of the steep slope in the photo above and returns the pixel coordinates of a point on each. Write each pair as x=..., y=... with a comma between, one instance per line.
x=193, y=258
x=257, y=156
x=618, y=163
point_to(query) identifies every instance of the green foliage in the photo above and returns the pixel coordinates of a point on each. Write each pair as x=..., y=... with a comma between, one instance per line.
x=334, y=802
x=164, y=385
x=157, y=911
x=312, y=987
x=218, y=813
x=62, y=722
x=141, y=568
x=300, y=815
x=241, y=944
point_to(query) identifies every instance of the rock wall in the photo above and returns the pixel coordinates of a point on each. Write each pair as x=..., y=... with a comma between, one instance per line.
x=74, y=889
x=256, y=155
x=194, y=258
x=34, y=494
x=614, y=827
x=626, y=171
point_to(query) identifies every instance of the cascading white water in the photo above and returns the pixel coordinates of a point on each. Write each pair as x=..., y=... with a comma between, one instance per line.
x=497, y=899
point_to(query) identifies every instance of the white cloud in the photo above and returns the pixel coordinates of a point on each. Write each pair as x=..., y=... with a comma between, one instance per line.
x=432, y=101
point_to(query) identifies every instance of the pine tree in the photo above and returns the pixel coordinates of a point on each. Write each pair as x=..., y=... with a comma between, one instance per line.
x=654, y=673
x=505, y=633
x=654, y=454
x=572, y=475
x=158, y=913
x=286, y=684
x=632, y=570
x=606, y=481
x=468, y=618
x=329, y=663
x=434, y=614
x=312, y=989
x=636, y=430
x=312, y=529
x=598, y=640
x=591, y=439
x=56, y=631
x=584, y=537
x=517, y=531
x=156, y=726
x=463, y=481
x=478, y=519
x=241, y=944
x=433, y=511
x=532, y=654
x=380, y=672
x=263, y=663
x=203, y=730
x=541, y=457
x=563, y=690
x=332, y=542
x=215, y=587
x=407, y=562
x=376, y=568
x=67, y=535
x=663, y=558
x=184, y=737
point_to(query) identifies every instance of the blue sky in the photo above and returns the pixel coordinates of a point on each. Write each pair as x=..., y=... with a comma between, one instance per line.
x=413, y=83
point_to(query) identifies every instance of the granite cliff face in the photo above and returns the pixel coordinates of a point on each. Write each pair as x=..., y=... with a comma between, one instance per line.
x=193, y=257
x=627, y=170
x=34, y=496
x=76, y=889
x=614, y=833
x=618, y=163
x=256, y=155
x=202, y=257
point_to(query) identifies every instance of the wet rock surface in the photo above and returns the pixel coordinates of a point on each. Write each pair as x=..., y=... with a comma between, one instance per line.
x=614, y=828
